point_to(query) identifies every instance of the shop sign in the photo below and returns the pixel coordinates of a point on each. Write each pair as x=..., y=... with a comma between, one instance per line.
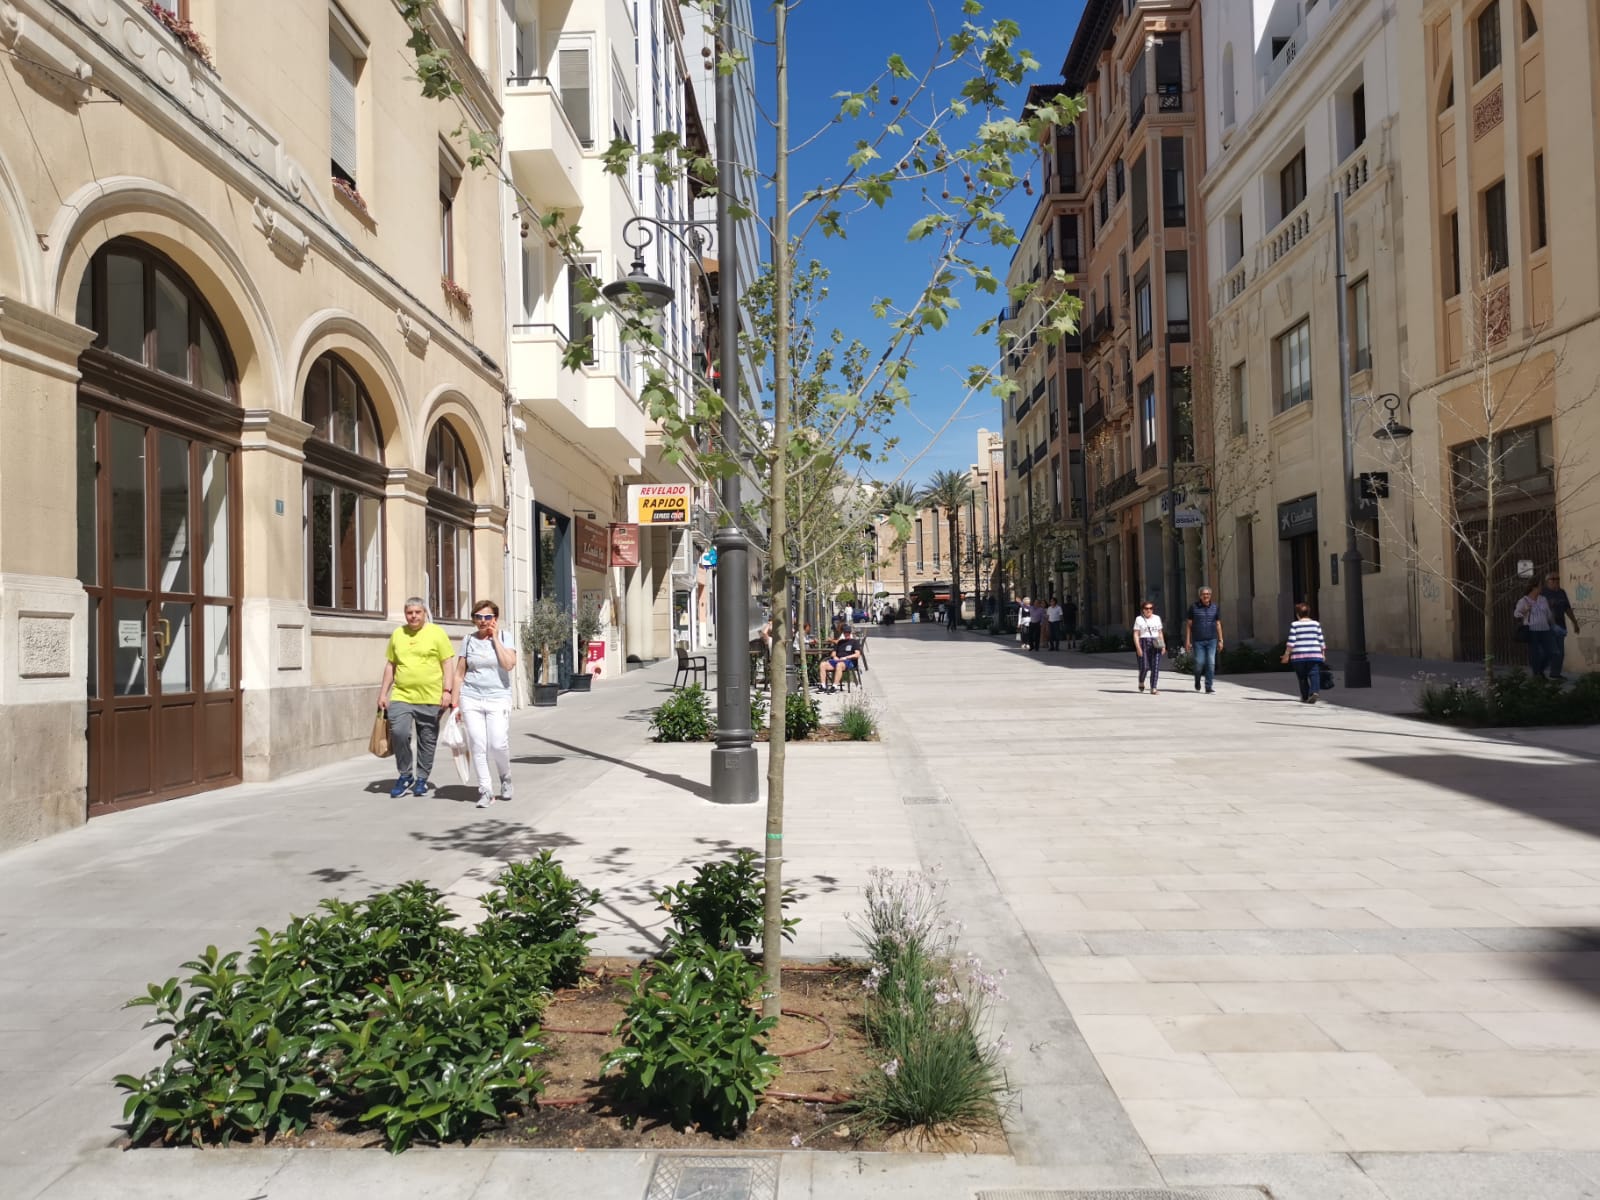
x=1188, y=518
x=659, y=503
x=624, y=545
x=1296, y=517
x=591, y=550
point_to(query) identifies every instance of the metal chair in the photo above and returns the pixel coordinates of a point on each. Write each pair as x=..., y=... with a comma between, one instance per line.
x=689, y=666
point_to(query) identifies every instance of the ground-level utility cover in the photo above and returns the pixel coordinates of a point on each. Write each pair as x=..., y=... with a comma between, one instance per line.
x=714, y=1177
x=1190, y=1193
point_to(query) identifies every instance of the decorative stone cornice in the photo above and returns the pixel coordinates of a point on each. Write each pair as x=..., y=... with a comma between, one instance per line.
x=41, y=341
x=275, y=432
x=44, y=57
x=286, y=239
x=491, y=517
x=416, y=334
x=406, y=483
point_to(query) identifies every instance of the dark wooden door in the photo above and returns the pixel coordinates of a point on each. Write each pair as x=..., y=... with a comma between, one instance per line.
x=157, y=555
x=1525, y=537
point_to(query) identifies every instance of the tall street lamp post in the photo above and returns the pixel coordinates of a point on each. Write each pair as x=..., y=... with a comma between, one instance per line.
x=1357, y=667
x=734, y=765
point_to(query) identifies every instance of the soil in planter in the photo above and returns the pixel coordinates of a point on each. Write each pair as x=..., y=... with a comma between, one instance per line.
x=580, y=1111
x=600, y=1121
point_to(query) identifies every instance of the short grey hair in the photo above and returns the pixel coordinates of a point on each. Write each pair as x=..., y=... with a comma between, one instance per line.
x=416, y=602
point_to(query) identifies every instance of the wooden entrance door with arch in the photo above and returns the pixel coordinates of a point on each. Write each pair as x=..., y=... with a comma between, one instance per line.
x=158, y=533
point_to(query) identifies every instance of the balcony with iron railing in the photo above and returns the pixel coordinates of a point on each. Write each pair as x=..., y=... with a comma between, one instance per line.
x=1123, y=485
x=1148, y=457
x=1094, y=416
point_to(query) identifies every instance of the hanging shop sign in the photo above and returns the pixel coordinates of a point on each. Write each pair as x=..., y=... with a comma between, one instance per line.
x=1188, y=518
x=659, y=503
x=591, y=548
x=624, y=545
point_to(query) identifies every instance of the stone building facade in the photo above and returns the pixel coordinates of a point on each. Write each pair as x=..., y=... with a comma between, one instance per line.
x=244, y=417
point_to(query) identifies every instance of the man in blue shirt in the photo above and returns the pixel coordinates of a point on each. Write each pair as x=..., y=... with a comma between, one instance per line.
x=1202, y=638
x=1560, y=613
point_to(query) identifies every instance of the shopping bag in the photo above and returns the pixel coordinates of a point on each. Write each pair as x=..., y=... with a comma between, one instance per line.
x=378, y=743
x=1326, y=681
x=454, y=739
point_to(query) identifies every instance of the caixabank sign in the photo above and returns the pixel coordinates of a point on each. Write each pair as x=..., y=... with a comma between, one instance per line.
x=659, y=503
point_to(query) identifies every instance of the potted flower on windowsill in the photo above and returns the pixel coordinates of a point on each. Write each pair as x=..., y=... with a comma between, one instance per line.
x=546, y=629
x=587, y=625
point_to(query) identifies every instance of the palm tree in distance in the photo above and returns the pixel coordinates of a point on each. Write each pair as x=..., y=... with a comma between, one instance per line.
x=950, y=490
x=893, y=496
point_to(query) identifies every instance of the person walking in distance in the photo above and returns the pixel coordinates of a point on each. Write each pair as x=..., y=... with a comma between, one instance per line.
x=1149, y=644
x=1560, y=613
x=1202, y=638
x=415, y=690
x=1069, y=616
x=483, y=697
x=1052, y=623
x=1534, y=626
x=1306, y=651
x=1024, y=619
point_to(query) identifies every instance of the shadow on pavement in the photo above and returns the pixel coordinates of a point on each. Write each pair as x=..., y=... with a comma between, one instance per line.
x=495, y=838
x=692, y=786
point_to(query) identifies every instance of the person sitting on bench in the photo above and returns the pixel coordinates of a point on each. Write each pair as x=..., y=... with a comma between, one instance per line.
x=845, y=655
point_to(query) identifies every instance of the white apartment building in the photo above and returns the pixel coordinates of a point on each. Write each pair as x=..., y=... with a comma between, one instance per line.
x=581, y=76
x=1303, y=104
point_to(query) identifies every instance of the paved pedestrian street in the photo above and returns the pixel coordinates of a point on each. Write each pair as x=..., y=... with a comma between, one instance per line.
x=1330, y=952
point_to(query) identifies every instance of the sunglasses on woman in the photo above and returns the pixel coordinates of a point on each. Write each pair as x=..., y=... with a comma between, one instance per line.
x=483, y=616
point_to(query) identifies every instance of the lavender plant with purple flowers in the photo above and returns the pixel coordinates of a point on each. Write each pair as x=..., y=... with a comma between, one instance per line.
x=928, y=1011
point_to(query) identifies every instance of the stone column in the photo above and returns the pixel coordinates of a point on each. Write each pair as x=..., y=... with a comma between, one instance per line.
x=43, y=610
x=274, y=619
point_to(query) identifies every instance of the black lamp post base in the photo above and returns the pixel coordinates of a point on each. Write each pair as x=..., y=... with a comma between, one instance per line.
x=735, y=775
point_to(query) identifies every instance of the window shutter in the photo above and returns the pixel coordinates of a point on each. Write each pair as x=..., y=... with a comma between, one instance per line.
x=342, y=106
x=575, y=93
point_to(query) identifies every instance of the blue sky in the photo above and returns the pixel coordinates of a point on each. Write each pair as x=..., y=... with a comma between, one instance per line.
x=834, y=46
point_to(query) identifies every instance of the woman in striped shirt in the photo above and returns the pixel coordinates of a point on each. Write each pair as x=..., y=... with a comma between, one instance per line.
x=1306, y=650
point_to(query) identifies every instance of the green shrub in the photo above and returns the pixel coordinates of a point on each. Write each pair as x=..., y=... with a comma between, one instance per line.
x=684, y=716
x=722, y=905
x=378, y=1010
x=1512, y=698
x=857, y=723
x=538, y=906
x=758, y=710
x=801, y=716
x=1452, y=701
x=1106, y=643
x=1245, y=659
x=693, y=1045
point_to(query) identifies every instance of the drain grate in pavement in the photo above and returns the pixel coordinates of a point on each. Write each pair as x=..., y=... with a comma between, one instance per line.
x=714, y=1177
x=924, y=799
x=1199, y=1193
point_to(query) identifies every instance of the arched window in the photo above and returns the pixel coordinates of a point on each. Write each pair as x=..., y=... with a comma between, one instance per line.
x=145, y=310
x=345, y=481
x=450, y=515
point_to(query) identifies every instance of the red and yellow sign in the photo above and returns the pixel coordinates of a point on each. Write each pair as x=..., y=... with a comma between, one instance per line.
x=659, y=503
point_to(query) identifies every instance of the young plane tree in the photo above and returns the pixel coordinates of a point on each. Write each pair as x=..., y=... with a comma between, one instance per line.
x=936, y=136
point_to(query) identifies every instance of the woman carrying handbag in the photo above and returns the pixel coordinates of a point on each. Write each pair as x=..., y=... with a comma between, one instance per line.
x=1533, y=627
x=1307, y=651
x=1149, y=644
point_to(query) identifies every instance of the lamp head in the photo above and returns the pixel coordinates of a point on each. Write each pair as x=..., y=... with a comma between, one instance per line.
x=642, y=294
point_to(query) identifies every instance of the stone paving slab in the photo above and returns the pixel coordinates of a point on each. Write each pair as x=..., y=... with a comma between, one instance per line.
x=1308, y=952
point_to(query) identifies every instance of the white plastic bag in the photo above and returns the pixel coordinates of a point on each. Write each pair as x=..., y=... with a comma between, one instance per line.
x=454, y=739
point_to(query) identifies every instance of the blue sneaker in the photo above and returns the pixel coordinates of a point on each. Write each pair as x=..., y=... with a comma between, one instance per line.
x=422, y=788
x=401, y=787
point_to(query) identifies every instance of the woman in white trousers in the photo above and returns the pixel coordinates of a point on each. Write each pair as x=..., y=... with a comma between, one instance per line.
x=483, y=696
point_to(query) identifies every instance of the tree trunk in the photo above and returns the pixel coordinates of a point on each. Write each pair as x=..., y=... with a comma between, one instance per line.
x=772, y=922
